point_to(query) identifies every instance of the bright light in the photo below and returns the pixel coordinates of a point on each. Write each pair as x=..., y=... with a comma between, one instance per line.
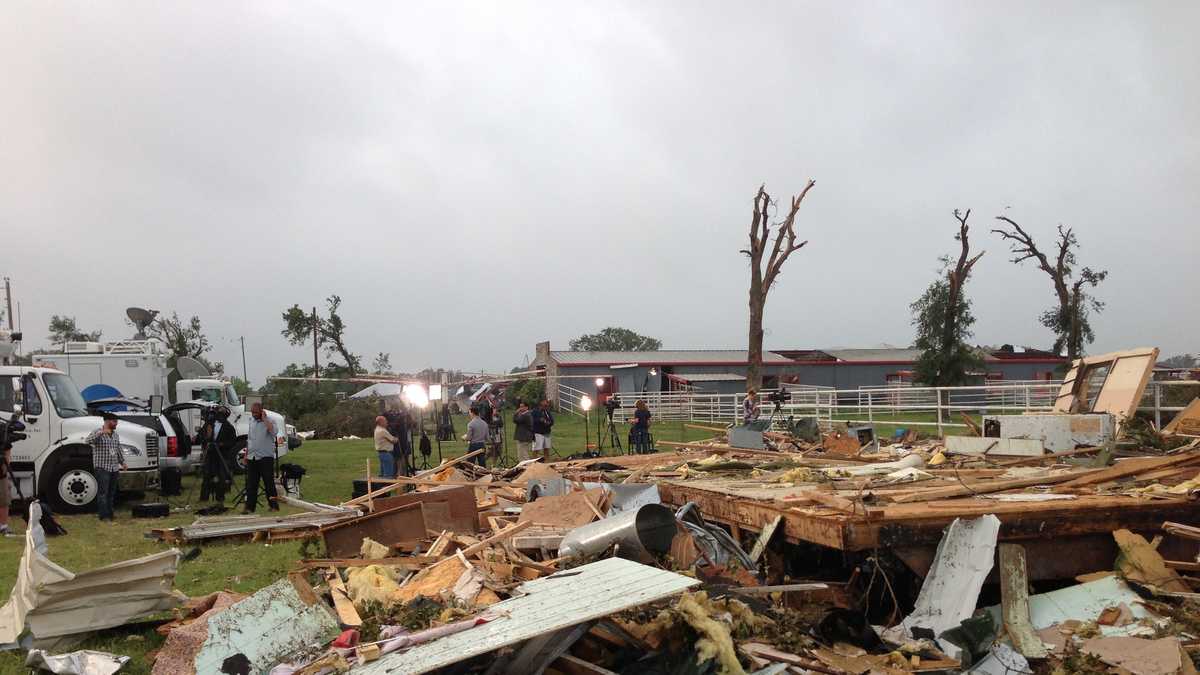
x=415, y=394
x=599, y=381
x=585, y=402
x=654, y=371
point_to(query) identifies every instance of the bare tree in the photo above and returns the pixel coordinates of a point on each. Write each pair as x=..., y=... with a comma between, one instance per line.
x=764, y=272
x=1069, y=319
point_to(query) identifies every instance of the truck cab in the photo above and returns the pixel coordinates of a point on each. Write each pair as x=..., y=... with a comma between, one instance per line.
x=220, y=392
x=54, y=461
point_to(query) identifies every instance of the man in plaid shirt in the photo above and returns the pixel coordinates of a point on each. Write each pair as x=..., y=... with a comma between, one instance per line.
x=107, y=460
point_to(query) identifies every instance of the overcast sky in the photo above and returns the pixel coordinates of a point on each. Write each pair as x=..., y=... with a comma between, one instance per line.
x=472, y=179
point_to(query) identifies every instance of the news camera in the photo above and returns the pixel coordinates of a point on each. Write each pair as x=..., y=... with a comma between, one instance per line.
x=778, y=396
x=11, y=432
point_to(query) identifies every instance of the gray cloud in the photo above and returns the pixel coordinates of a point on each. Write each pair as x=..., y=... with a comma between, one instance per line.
x=473, y=178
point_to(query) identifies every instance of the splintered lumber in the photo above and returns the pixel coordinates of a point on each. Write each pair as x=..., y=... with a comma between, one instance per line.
x=1034, y=460
x=413, y=563
x=1139, y=562
x=1014, y=602
x=1131, y=467
x=824, y=499
x=498, y=537
x=970, y=423
x=764, y=538
x=394, y=483
x=347, y=615
x=1181, y=530
x=701, y=427
x=1187, y=422
x=981, y=487
x=448, y=463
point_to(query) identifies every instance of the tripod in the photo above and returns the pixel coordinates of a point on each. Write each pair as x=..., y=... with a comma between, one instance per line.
x=614, y=438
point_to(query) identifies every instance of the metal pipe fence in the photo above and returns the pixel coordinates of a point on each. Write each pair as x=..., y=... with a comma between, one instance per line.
x=905, y=406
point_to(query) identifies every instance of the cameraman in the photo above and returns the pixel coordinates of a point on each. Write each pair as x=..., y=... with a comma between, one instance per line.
x=750, y=410
x=639, y=433
x=217, y=437
x=398, y=423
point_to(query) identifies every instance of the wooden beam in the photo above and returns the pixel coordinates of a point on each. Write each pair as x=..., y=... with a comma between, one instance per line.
x=347, y=614
x=406, y=562
x=498, y=537
x=981, y=487
x=394, y=483
x=764, y=538
x=1131, y=467
x=1014, y=602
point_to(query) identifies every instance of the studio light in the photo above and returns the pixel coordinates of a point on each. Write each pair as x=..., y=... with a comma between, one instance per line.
x=585, y=402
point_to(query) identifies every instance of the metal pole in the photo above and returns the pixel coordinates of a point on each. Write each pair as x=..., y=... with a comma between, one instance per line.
x=8, y=299
x=1157, y=405
x=587, y=422
x=245, y=375
x=939, y=412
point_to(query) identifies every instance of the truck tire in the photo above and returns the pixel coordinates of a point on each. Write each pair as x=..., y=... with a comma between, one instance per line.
x=73, y=487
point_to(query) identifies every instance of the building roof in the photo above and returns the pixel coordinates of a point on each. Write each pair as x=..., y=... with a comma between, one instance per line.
x=663, y=357
x=888, y=354
x=710, y=377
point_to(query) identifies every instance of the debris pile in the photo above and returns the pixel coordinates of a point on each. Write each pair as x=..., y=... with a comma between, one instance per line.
x=833, y=553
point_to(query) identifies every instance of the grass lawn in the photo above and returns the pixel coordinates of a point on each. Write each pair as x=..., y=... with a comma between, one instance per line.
x=238, y=566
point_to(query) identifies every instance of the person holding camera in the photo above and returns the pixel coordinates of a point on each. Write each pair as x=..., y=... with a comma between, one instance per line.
x=542, y=422
x=523, y=430
x=217, y=437
x=107, y=460
x=750, y=410
x=260, y=460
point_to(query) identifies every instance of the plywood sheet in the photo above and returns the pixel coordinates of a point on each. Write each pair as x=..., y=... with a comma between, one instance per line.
x=457, y=514
x=569, y=510
x=403, y=523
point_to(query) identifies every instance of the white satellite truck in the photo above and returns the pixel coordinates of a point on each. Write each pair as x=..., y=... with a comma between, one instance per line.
x=54, y=461
x=138, y=369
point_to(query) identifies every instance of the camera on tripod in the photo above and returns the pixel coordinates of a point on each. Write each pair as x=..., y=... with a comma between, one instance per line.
x=778, y=396
x=11, y=432
x=611, y=405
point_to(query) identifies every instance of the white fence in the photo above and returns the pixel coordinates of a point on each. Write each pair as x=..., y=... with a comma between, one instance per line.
x=906, y=406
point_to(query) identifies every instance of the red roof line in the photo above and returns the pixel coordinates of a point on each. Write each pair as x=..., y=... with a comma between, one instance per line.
x=901, y=362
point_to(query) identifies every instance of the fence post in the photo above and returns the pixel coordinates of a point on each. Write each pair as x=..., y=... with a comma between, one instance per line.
x=1026, y=388
x=939, y=412
x=1157, y=405
x=870, y=409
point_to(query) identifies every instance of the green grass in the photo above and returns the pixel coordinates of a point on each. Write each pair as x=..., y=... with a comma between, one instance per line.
x=238, y=565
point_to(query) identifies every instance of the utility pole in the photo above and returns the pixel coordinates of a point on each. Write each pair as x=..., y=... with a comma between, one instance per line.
x=316, y=364
x=8, y=297
x=245, y=376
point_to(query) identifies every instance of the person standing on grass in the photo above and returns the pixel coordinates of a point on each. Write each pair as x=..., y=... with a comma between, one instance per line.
x=639, y=433
x=542, y=422
x=260, y=460
x=107, y=460
x=384, y=443
x=476, y=437
x=523, y=430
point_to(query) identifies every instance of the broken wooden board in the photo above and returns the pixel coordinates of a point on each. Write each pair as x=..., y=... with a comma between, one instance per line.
x=764, y=538
x=1014, y=602
x=568, y=511
x=446, y=508
x=1187, y=422
x=403, y=523
x=347, y=615
x=1140, y=563
x=984, y=445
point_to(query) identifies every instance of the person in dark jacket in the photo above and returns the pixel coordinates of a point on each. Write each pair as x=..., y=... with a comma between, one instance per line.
x=217, y=439
x=542, y=421
x=523, y=430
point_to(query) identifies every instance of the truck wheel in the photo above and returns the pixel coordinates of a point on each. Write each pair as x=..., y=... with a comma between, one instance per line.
x=74, y=488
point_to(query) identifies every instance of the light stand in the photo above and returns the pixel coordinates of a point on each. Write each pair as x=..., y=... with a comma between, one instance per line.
x=585, y=402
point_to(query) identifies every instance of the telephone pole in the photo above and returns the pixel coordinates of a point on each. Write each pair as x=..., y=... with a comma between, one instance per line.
x=316, y=364
x=245, y=376
x=8, y=298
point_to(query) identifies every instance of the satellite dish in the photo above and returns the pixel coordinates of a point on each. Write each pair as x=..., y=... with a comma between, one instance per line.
x=141, y=318
x=191, y=369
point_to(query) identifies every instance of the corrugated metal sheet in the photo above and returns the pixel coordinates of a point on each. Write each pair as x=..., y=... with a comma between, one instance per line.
x=549, y=604
x=695, y=356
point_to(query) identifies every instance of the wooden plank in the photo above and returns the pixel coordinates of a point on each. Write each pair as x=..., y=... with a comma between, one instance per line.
x=1183, y=565
x=496, y=538
x=824, y=499
x=449, y=463
x=982, y=487
x=394, y=483
x=1131, y=467
x=413, y=563
x=1187, y=421
x=1141, y=563
x=461, y=510
x=1014, y=602
x=1181, y=530
x=764, y=538
x=1053, y=456
x=573, y=665
x=347, y=614
x=344, y=539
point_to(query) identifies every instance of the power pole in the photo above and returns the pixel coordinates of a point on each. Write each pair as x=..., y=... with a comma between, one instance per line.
x=8, y=296
x=245, y=376
x=316, y=364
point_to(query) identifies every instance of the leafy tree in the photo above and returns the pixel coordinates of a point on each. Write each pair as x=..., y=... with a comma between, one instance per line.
x=242, y=387
x=63, y=329
x=942, y=316
x=181, y=339
x=1069, y=318
x=330, y=330
x=382, y=363
x=615, y=340
x=1180, y=361
x=766, y=261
